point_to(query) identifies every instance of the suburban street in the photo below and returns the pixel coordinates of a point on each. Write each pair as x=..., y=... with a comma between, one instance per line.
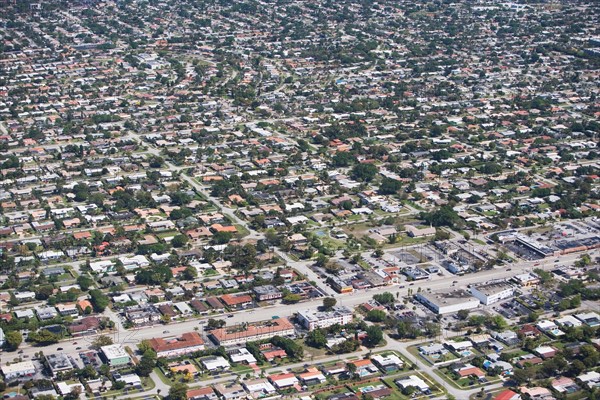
x=133, y=336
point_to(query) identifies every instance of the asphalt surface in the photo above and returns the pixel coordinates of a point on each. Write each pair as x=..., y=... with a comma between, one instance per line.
x=134, y=336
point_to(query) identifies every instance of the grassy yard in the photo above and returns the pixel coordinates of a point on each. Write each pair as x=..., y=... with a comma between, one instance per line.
x=466, y=382
x=242, y=369
x=446, y=357
x=167, y=234
x=241, y=230
x=147, y=384
x=405, y=240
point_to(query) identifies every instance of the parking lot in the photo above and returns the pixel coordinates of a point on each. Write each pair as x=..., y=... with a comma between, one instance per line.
x=523, y=252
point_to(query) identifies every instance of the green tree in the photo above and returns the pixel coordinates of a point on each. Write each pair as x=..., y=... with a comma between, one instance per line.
x=523, y=375
x=384, y=298
x=154, y=275
x=215, y=323
x=316, y=338
x=221, y=237
x=389, y=186
x=329, y=303
x=343, y=159
x=444, y=216
x=84, y=282
x=100, y=341
x=376, y=316
x=364, y=172
x=291, y=348
x=292, y=298
x=156, y=161
x=13, y=340
x=190, y=273
x=462, y=314
x=178, y=391
x=180, y=241
x=147, y=363
x=144, y=345
x=43, y=337
x=351, y=368
x=99, y=300
x=374, y=335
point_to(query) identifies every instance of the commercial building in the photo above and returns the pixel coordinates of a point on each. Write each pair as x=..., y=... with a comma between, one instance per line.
x=313, y=319
x=237, y=301
x=58, y=362
x=115, y=355
x=415, y=273
x=527, y=279
x=174, y=347
x=267, y=292
x=492, y=292
x=240, y=334
x=84, y=326
x=18, y=370
x=142, y=315
x=536, y=247
x=448, y=302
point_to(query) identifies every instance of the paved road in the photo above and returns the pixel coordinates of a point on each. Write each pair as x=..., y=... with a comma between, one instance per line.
x=401, y=347
x=230, y=212
x=304, y=268
x=133, y=337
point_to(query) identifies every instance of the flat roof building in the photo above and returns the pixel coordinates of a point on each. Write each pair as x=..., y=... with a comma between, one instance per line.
x=267, y=292
x=413, y=380
x=215, y=363
x=313, y=319
x=18, y=370
x=115, y=355
x=59, y=362
x=448, y=302
x=492, y=292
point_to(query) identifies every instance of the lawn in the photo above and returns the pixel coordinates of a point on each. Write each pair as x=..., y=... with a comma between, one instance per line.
x=407, y=363
x=241, y=230
x=466, y=382
x=404, y=240
x=147, y=384
x=443, y=358
x=242, y=369
x=436, y=390
x=167, y=234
